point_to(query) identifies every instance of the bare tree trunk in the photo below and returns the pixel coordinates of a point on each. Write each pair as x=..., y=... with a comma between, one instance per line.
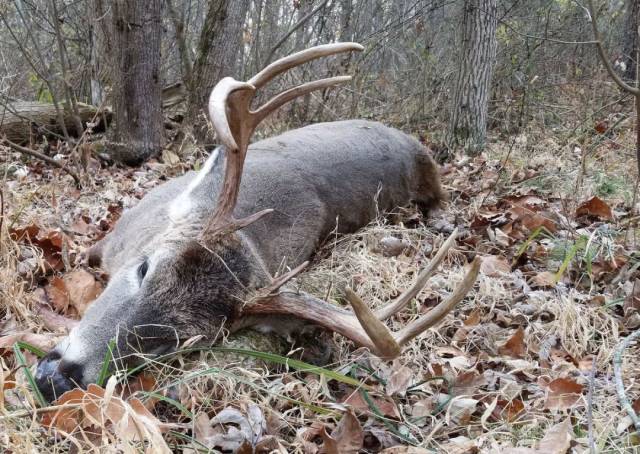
x=101, y=48
x=137, y=89
x=468, y=119
x=217, y=57
x=630, y=39
x=183, y=48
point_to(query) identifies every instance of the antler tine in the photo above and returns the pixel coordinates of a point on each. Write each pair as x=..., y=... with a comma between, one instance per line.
x=295, y=92
x=438, y=313
x=297, y=59
x=389, y=345
x=361, y=326
x=404, y=299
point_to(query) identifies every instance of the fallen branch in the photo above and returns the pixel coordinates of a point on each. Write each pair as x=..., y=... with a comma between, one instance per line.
x=617, y=369
x=592, y=379
x=43, y=157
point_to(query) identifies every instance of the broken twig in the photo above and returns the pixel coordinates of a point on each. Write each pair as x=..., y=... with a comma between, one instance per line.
x=43, y=157
x=617, y=369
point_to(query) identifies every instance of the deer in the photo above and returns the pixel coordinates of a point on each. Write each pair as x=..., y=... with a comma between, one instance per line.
x=212, y=251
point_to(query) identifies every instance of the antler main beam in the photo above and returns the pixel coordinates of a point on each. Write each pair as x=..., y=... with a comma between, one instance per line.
x=235, y=122
x=363, y=326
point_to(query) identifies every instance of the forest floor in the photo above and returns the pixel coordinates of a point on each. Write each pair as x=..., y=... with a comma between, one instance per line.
x=523, y=365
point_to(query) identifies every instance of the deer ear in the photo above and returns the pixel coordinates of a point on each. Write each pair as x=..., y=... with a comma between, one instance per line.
x=207, y=181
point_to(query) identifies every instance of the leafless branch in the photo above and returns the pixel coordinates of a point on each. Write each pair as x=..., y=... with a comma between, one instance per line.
x=42, y=157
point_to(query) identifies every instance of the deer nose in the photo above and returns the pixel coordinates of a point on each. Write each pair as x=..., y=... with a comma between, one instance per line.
x=55, y=376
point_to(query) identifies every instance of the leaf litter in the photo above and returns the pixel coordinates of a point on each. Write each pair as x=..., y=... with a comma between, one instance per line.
x=510, y=371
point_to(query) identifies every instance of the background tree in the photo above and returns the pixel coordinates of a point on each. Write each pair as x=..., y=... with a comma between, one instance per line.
x=137, y=88
x=630, y=39
x=218, y=56
x=468, y=123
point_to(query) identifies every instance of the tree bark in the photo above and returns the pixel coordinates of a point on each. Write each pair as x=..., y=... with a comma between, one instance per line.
x=468, y=118
x=217, y=57
x=101, y=48
x=137, y=89
x=22, y=121
x=630, y=40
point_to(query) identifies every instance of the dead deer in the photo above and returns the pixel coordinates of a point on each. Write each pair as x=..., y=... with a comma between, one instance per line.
x=198, y=255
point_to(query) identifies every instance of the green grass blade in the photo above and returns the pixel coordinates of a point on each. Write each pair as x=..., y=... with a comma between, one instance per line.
x=217, y=371
x=170, y=401
x=20, y=359
x=300, y=366
x=31, y=348
x=386, y=421
x=565, y=263
x=104, y=370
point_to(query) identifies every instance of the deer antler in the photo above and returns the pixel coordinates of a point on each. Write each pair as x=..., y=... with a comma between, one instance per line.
x=235, y=122
x=362, y=326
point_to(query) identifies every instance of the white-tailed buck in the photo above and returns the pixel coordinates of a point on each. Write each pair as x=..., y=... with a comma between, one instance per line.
x=199, y=254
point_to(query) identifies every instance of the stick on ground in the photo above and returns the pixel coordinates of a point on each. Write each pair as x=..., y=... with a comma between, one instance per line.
x=43, y=157
x=617, y=369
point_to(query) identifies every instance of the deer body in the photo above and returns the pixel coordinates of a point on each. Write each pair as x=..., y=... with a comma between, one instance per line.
x=318, y=179
x=213, y=250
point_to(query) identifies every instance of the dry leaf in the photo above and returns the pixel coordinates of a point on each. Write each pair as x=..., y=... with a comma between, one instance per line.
x=515, y=346
x=468, y=383
x=44, y=341
x=83, y=289
x=544, y=279
x=386, y=405
x=595, y=207
x=77, y=289
x=231, y=430
x=399, y=381
x=508, y=410
x=347, y=438
x=494, y=266
x=405, y=450
x=460, y=409
x=557, y=439
x=54, y=321
x=51, y=243
x=562, y=393
x=170, y=158
x=473, y=318
x=128, y=420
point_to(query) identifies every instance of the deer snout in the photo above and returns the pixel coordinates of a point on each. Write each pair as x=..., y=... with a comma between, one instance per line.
x=55, y=375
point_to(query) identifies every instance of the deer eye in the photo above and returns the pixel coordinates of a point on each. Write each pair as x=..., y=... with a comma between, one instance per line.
x=142, y=270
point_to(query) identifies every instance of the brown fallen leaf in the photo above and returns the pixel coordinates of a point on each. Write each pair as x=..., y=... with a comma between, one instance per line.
x=515, y=346
x=386, y=406
x=80, y=409
x=595, y=207
x=494, y=265
x=557, y=438
x=44, y=341
x=474, y=318
x=562, y=393
x=50, y=242
x=405, y=450
x=544, y=279
x=399, y=381
x=528, y=219
x=54, y=321
x=508, y=410
x=468, y=383
x=347, y=438
x=76, y=290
